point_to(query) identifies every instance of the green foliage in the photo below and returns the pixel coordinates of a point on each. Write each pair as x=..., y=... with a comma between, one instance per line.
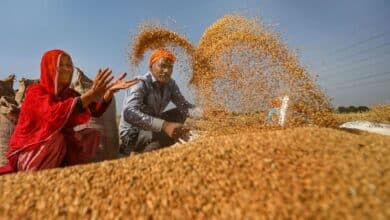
x=352, y=109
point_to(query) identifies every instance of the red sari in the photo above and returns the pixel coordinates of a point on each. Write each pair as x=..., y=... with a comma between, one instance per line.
x=44, y=137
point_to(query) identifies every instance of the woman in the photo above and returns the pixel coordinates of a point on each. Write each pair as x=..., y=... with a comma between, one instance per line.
x=44, y=137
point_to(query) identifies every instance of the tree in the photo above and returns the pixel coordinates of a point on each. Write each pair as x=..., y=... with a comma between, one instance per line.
x=352, y=109
x=342, y=109
x=363, y=109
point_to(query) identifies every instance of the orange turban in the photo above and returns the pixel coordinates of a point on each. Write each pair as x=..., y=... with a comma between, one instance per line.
x=159, y=53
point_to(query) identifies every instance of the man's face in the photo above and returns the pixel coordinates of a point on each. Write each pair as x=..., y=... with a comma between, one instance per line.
x=65, y=73
x=162, y=70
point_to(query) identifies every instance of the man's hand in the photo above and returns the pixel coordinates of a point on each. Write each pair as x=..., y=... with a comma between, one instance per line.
x=174, y=130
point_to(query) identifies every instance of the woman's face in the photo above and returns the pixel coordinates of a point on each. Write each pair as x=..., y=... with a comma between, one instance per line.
x=162, y=70
x=65, y=73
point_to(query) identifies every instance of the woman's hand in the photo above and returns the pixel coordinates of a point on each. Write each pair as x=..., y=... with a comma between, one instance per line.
x=117, y=85
x=99, y=87
x=102, y=86
x=101, y=83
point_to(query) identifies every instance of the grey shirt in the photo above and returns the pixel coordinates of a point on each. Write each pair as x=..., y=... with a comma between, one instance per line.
x=145, y=102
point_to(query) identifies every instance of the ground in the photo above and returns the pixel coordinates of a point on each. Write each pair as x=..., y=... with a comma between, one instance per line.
x=237, y=169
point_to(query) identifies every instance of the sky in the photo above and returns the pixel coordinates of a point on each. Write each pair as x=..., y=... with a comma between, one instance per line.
x=346, y=43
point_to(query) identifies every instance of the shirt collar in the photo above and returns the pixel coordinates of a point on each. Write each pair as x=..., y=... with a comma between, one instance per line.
x=153, y=78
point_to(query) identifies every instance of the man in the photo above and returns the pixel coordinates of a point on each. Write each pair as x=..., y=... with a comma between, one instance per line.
x=144, y=126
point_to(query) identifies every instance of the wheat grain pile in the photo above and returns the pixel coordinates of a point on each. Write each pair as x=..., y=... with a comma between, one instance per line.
x=297, y=173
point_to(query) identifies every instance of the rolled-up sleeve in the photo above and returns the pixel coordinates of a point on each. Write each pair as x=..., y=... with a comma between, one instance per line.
x=132, y=113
